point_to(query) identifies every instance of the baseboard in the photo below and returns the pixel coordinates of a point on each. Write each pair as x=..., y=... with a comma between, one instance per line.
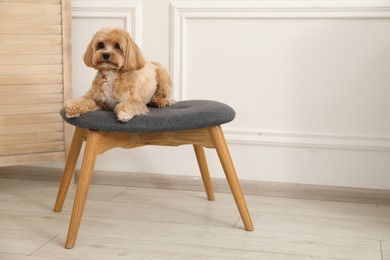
x=162, y=181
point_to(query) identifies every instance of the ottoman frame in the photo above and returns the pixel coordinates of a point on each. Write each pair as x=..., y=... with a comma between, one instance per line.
x=98, y=142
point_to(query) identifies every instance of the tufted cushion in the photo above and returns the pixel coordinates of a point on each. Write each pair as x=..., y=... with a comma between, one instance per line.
x=184, y=115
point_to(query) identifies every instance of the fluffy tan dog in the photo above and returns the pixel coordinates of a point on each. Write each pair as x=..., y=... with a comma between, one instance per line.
x=125, y=82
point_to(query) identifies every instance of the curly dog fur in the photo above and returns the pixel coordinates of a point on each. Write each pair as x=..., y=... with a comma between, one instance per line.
x=125, y=82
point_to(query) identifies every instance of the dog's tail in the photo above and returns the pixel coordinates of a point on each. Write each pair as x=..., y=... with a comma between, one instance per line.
x=163, y=95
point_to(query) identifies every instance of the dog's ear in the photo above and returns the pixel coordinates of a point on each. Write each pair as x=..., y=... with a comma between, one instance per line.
x=89, y=54
x=134, y=60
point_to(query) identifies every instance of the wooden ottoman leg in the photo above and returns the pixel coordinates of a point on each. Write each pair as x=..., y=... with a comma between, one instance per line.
x=90, y=153
x=70, y=165
x=204, y=171
x=231, y=176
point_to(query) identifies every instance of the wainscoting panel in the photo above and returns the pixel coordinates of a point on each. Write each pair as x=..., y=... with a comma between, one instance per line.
x=297, y=73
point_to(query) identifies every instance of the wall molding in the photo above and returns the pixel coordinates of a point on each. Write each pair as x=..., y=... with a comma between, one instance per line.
x=183, y=11
x=283, y=9
x=311, y=140
x=130, y=11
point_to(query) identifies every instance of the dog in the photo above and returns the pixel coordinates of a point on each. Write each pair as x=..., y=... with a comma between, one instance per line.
x=125, y=82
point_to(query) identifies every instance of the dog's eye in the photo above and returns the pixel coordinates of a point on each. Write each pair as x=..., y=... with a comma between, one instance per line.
x=117, y=46
x=100, y=45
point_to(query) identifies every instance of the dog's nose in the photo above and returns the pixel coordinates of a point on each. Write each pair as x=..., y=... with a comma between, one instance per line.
x=106, y=55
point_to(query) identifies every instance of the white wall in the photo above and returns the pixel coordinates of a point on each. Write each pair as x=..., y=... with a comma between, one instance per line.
x=309, y=80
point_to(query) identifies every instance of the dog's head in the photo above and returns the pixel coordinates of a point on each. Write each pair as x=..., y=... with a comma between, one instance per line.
x=113, y=49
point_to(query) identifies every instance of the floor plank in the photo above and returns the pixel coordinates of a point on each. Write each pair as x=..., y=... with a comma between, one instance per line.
x=385, y=250
x=24, y=242
x=110, y=248
x=326, y=226
x=26, y=257
x=37, y=189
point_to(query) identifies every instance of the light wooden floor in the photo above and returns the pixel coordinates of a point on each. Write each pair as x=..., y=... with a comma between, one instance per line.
x=142, y=223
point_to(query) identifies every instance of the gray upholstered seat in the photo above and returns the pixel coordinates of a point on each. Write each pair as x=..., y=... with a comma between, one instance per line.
x=184, y=115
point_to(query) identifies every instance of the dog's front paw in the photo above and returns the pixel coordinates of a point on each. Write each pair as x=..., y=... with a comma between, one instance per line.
x=161, y=102
x=124, y=117
x=125, y=110
x=72, y=111
x=80, y=106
